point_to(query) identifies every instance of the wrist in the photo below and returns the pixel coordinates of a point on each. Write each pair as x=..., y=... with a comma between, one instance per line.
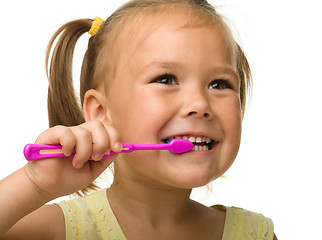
x=41, y=196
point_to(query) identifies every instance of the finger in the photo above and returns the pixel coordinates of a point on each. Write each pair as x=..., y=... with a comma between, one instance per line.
x=100, y=139
x=83, y=147
x=100, y=166
x=105, y=138
x=115, y=138
x=58, y=135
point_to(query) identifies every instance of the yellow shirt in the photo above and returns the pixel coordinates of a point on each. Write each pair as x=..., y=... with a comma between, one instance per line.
x=92, y=218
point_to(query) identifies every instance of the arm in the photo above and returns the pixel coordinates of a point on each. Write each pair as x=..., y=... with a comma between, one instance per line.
x=48, y=221
x=18, y=201
x=24, y=193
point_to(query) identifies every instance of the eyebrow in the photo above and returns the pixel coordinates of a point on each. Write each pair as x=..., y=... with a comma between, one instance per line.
x=226, y=70
x=172, y=64
x=161, y=64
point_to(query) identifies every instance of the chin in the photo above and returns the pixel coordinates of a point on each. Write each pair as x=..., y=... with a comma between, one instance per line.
x=194, y=180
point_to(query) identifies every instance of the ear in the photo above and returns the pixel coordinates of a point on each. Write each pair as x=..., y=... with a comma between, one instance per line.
x=94, y=106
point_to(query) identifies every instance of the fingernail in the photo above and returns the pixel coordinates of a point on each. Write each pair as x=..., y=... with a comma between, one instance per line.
x=118, y=145
x=97, y=156
x=79, y=165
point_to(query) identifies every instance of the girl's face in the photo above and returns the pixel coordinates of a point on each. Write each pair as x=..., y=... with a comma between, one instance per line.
x=176, y=81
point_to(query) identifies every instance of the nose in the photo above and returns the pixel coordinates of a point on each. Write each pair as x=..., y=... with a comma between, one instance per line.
x=197, y=105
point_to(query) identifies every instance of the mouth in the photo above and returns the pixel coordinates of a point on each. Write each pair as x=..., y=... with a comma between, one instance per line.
x=200, y=143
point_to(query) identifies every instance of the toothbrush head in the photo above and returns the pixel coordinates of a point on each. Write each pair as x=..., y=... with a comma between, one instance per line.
x=180, y=145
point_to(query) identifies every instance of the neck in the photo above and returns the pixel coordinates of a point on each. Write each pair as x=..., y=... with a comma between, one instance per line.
x=148, y=202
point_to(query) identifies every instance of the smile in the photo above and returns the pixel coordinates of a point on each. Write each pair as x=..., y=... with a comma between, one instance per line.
x=200, y=143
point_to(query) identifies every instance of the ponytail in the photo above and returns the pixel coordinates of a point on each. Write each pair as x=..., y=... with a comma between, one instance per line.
x=63, y=105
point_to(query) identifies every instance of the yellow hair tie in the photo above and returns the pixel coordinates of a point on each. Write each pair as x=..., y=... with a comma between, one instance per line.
x=96, y=25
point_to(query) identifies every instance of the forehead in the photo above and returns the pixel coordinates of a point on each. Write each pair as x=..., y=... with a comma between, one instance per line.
x=155, y=29
x=142, y=24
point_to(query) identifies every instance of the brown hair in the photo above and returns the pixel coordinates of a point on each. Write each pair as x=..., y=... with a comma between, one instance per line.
x=64, y=108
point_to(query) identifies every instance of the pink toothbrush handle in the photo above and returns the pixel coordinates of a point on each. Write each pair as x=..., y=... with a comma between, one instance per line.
x=38, y=151
x=175, y=146
x=164, y=146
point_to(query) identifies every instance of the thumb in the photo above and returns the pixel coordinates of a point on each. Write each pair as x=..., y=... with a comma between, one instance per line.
x=99, y=167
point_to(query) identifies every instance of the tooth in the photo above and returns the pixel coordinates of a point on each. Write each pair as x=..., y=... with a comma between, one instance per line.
x=195, y=148
x=185, y=137
x=192, y=139
x=205, y=148
x=177, y=137
x=208, y=140
x=203, y=139
x=198, y=139
x=200, y=148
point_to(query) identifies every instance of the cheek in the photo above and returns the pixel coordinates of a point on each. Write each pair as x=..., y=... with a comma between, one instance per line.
x=230, y=119
x=139, y=115
x=230, y=115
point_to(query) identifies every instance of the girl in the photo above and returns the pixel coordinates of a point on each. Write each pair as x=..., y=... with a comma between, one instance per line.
x=153, y=71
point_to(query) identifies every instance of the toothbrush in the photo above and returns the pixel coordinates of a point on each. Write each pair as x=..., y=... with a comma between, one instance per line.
x=38, y=151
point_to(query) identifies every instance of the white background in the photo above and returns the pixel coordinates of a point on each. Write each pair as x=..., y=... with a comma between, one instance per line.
x=278, y=169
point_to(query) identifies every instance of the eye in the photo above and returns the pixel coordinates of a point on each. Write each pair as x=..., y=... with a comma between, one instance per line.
x=168, y=79
x=220, y=84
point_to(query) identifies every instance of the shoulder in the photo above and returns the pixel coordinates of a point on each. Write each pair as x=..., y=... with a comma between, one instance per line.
x=240, y=223
x=78, y=210
x=84, y=204
x=89, y=217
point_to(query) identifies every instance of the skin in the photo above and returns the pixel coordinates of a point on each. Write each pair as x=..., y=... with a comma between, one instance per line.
x=150, y=193
x=195, y=101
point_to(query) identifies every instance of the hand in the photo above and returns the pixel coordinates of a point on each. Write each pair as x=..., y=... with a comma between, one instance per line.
x=62, y=176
